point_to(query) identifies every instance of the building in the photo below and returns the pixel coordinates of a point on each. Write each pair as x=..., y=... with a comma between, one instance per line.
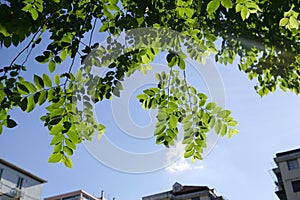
x=288, y=175
x=76, y=195
x=16, y=183
x=186, y=193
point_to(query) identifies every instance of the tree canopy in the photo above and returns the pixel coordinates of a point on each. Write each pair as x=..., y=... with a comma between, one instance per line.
x=263, y=35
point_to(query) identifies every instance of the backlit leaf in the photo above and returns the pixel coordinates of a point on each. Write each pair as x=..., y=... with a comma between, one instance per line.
x=212, y=6
x=56, y=157
x=68, y=162
x=226, y=3
x=47, y=80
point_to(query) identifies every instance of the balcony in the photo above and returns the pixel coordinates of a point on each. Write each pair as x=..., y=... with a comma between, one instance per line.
x=9, y=192
x=281, y=195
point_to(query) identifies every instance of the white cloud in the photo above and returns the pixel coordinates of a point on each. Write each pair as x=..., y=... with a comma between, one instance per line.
x=181, y=164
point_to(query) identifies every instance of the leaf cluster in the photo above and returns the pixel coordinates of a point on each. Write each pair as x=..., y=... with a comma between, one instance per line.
x=181, y=104
x=263, y=35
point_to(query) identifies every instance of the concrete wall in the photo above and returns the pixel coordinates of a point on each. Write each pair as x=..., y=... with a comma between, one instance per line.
x=203, y=195
x=288, y=176
x=31, y=188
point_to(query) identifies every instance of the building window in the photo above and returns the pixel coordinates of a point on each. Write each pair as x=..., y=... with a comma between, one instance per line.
x=74, y=197
x=20, y=182
x=196, y=198
x=177, y=187
x=1, y=172
x=296, y=186
x=292, y=164
x=84, y=197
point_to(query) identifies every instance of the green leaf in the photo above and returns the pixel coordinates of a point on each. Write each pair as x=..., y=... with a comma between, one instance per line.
x=212, y=6
x=116, y=92
x=43, y=97
x=159, y=130
x=212, y=121
x=211, y=106
x=104, y=27
x=192, y=90
x=172, y=105
x=181, y=64
x=27, y=7
x=30, y=104
x=34, y=13
x=232, y=132
x=161, y=116
x=47, y=80
x=224, y=113
x=73, y=136
x=10, y=123
x=187, y=140
x=187, y=126
x=23, y=104
x=56, y=139
x=232, y=123
x=68, y=162
x=57, y=148
x=56, y=129
x=223, y=130
x=226, y=3
x=199, y=142
x=188, y=154
x=56, y=79
x=22, y=89
x=101, y=129
x=189, y=146
x=187, y=118
x=245, y=13
x=173, y=61
x=238, y=7
x=142, y=96
x=218, y=126
x=29, y=86
x=70, y=144
x=217, y=109
x=171, y=134
x=55, y=157
x=38, y=82
x=173, y=121
x=51, y=66
x=189, y=12
x=293, y=22
x=283, y=22
x=119, y=85
x=68, y=150
x=63, y=54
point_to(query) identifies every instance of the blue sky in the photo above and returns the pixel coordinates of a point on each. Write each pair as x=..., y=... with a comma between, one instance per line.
x=238, y=168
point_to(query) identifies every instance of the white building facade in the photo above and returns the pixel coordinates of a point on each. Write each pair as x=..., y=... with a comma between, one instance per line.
x=75, y=195
x=182, y=192
x=288, y=175
x=16, y=183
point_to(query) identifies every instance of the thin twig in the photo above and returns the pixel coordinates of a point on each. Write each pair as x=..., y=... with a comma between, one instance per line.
x=92, y=32
x=26, y=47
x=30, y=51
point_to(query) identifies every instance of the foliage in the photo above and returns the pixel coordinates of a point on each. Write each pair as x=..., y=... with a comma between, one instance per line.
x=263, y=35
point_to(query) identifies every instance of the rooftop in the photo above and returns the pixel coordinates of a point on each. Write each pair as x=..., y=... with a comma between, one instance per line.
x=288, y=152
x=12, y=166
x=189, y=189
x=68, y=194
x=179, y=189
